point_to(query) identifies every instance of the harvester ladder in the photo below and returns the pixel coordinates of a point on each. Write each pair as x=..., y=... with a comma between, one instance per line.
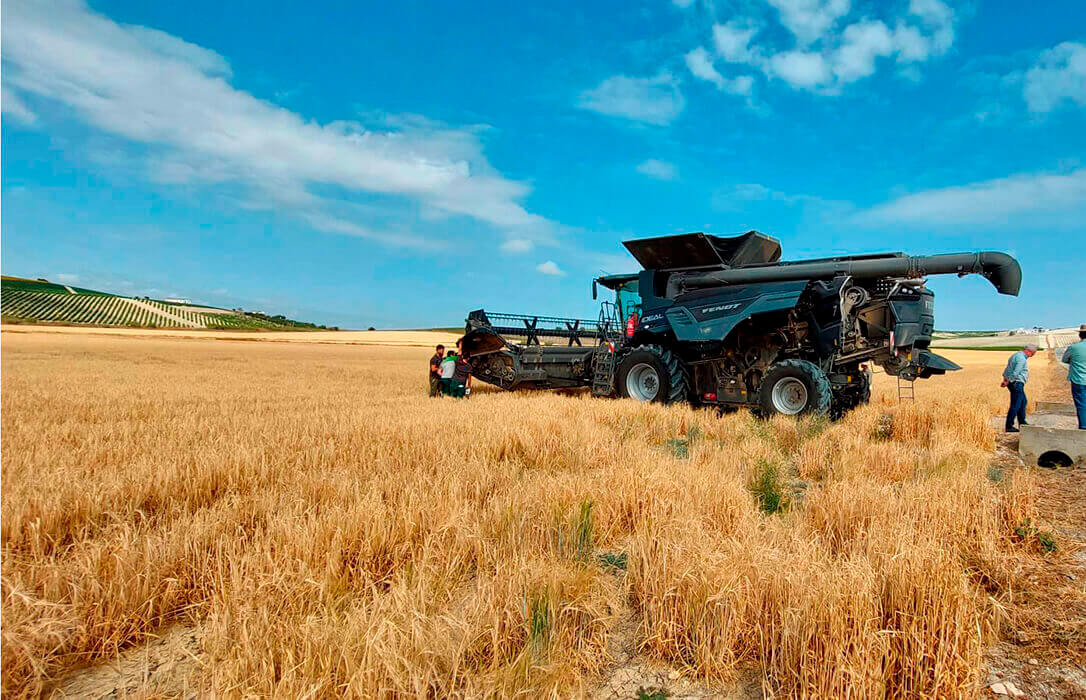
x=906, y=389
x=608, y=332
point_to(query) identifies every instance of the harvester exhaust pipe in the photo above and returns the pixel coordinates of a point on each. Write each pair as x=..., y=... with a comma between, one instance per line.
x=1000, y=269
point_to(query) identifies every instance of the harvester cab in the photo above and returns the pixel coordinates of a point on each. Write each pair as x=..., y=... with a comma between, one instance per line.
x=723, y=321
x=627, y=299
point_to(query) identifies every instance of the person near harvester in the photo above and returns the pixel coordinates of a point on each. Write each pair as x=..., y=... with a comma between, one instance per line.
x=448, y=368
x=435, y=370
x=1014, y=378
x=1074, y=356
x=462, y=375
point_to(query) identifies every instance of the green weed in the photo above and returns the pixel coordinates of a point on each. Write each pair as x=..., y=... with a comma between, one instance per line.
x=613, y=561
x=583, y=532
x=539, y=622
x=1028, y=532
x=679, y=447
x=765, y=484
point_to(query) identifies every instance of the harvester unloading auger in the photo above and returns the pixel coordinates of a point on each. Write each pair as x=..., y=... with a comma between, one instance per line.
x=722, y=321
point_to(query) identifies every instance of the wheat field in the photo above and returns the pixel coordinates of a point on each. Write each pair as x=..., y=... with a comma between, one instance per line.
x=331, y=531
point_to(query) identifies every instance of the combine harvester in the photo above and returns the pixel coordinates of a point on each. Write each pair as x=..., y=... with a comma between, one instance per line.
x=723, y=321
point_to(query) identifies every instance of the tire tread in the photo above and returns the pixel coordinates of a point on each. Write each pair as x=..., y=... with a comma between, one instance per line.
x=822, y=390
x=676, y=376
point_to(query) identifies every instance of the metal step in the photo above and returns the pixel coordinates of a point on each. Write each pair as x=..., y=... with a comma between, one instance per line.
x=608, y=329
x=906, y=390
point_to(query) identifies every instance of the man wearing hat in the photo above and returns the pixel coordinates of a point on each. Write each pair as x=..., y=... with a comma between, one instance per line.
x=1014, y=378
x=1074, y=356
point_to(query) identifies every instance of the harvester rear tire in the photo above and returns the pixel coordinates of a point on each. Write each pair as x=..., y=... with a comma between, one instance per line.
x=657, y=365
x=795, y=387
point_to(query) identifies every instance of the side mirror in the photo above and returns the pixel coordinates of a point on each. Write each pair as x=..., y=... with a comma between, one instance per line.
x=593, y=290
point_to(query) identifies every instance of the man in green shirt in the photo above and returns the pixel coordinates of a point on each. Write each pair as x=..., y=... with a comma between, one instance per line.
x=448, y=367
x=1074, y=356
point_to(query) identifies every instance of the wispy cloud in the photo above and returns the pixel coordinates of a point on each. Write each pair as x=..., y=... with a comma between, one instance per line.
x=1035, y=198
x=1026, y=87
x=175, y=99
x=1038, y=200
x=656, y=100
x=550, y=268
x=808, y=20
x=701, y=66
x=518, y=245
x=658, y=169
x=14, y=107
x=733, y=197
x=1058, y=76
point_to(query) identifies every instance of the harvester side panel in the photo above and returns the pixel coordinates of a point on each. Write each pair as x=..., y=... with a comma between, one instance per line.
x=714, y=316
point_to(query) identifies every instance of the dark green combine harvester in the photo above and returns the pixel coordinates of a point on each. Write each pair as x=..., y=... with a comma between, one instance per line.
x=723, y=321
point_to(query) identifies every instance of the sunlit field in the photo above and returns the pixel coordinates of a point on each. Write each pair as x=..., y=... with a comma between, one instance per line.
x=330, y=530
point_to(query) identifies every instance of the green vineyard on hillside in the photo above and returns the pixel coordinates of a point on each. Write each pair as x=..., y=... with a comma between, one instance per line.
x=23, y=300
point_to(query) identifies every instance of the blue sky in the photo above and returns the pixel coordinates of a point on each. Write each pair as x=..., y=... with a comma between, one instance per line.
x=399, y=164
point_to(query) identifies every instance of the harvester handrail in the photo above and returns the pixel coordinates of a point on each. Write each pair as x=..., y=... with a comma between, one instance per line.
x=537, y=317
x=534, y=327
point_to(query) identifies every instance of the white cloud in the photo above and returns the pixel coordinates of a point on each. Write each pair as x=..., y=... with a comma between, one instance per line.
x=169, y=46
x=15, y=108
x=66, y=278
x=732, y=40
x=803, y=69
x=518, y=245
x=550, y=268
x=938, y=18
x=911, y=44
x=1025, y=197
x=829, y=52
x=701, y=66
x=753, y=200
x=808, y=20
x=736, y=197
x=861, y=44
x=659, y=169
x=175, y=99
x=655, y=100
x=739, y=85
x=1058, y=75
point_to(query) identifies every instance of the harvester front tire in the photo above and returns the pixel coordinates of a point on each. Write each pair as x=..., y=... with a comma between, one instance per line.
x=795, y=387
x=651, y=373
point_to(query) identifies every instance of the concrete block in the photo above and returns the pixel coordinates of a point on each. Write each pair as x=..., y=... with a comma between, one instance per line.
x=1050, y=436
x=1057, y=407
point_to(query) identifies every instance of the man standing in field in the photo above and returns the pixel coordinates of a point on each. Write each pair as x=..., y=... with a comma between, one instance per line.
x=1014, y=378
x=1075, y=359
x=435, y=370
x=462, y=376
x=448, y=367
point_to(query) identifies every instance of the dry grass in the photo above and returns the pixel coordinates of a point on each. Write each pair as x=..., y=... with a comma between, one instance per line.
x=422, y=339
x=333, y=531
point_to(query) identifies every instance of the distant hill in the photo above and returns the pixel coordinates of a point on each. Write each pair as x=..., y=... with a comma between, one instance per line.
x=32, y=301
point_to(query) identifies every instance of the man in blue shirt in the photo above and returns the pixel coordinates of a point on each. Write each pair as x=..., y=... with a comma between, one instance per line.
x=1075, y=359
x=1014, y=378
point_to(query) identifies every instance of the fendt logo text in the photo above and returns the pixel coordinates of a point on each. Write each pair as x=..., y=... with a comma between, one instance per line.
x=724, y=307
